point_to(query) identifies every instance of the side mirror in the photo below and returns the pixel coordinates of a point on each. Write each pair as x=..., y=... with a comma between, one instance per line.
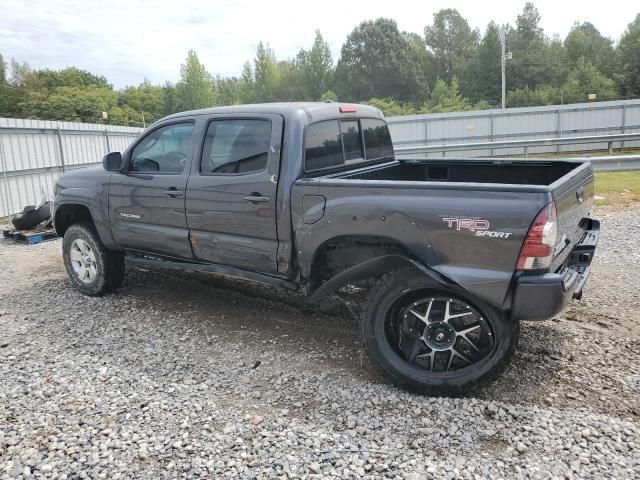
x=112, y=162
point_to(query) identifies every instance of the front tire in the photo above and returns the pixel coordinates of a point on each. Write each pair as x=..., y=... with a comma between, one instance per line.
x=92, y=268
x=434, y=339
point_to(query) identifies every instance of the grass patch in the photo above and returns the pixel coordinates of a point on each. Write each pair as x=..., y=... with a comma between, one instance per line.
x=617, y=189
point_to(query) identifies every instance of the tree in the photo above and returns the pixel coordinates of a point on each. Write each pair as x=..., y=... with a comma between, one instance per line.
x=73, y=103
x=265, y=74
x=377, y=60
x=424, y=61
x=585, y=79
x=447, y=98
x=629, y=55
x=195, y=88
x=329, y=96
x=145, y=98
x=317, y=68
x=481, y=78
x=451, y=40
x=228, y=90
x=169, y=98
x=289, y=84
x=3, y=71
x=585, y=40
x=391, y=107
x=246, y=90
x=527, y=44
x=527, y=97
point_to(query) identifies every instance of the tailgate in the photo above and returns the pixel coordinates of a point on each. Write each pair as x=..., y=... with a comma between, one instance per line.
x=573, y=195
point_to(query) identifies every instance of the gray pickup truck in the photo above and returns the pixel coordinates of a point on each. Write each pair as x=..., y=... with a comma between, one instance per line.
x=310, y=197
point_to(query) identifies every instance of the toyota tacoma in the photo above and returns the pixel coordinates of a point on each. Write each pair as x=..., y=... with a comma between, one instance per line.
x=311, y=197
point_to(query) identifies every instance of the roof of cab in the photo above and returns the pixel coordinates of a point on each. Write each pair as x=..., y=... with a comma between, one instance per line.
x=313, y=110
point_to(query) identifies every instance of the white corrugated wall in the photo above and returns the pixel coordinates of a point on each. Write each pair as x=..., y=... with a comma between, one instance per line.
x=573, y=120
x=32, y=154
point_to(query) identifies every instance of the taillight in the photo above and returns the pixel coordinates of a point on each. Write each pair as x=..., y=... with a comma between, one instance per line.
x=537, y=251
x=347, y=109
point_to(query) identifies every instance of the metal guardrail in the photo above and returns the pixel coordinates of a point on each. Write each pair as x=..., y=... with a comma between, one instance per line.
x=524, y=144
x=615, y=163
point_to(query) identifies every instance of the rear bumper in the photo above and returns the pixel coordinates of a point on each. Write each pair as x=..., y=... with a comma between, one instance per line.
x=538, y=297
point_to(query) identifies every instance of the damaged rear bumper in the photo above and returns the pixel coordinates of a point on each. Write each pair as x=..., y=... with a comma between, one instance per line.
x=542, y=296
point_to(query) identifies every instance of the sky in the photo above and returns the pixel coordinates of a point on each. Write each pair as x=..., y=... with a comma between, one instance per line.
x=129, y=41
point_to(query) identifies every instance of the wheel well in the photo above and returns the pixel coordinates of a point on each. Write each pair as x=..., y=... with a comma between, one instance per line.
x=67, y=215
x=340, y=253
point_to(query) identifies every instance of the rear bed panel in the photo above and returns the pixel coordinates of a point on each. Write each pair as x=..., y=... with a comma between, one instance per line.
x=471, y=235
x=573, y=195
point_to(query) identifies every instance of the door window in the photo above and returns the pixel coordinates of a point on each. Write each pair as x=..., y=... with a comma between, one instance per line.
x=164, y=150
x=323, y=146
x=236, y=147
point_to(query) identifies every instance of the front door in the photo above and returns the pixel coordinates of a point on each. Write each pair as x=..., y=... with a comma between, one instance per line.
x=231, y=193
x=147, y=202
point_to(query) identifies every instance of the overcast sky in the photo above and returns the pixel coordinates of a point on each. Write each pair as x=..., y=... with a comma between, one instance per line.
x=128, y=41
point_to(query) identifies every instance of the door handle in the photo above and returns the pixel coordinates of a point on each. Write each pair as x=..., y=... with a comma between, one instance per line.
x=256, y=198
x=173, y=192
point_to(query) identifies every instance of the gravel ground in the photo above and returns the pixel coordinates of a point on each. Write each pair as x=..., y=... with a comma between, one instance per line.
x=187, y=376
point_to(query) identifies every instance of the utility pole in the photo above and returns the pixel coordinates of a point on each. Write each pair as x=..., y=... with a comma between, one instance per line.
x=505, y=56
x=144, y=125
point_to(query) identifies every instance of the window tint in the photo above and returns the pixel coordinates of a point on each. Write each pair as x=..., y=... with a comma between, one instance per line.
x=164, y=150
x=351, y=140
x=322, y=146
x=236, y=146
x=377, y=141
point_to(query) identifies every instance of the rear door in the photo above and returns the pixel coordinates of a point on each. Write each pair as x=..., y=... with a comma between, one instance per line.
x=231, y=194
x=146, y=203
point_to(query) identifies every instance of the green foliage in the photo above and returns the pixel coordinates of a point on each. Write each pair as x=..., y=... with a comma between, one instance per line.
x=228, y=90
x=196, y=87
x=629, y=58
x=452, y=42
x=480, y=77
x=329, y=96
x=377, y=60
x=585, y=40
x=134, y=102
x=527, y=43
x=3, y=71
x=73, y=103
x=265, y=74
x=527, y=97
x=316, y=68
x=447, y=98
x=585, y=79
x=391, y=107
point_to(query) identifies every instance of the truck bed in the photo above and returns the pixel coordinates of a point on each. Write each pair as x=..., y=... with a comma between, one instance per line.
x=415, y=199
x=515, y=172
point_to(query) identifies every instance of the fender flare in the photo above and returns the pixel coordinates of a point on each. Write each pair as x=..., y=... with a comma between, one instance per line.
x=373, y=267
x=94, y=206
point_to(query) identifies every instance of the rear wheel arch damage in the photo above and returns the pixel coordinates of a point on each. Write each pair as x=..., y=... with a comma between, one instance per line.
x=346, y=259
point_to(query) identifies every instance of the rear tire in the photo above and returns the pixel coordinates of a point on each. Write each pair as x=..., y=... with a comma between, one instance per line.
x=408, y=335
x=92, y=268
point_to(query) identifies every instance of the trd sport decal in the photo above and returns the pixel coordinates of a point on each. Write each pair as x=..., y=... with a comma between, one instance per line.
x=479, y=226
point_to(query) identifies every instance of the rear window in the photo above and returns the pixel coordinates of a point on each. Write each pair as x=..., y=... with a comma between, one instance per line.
x=335, y=143
x=376, y=139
